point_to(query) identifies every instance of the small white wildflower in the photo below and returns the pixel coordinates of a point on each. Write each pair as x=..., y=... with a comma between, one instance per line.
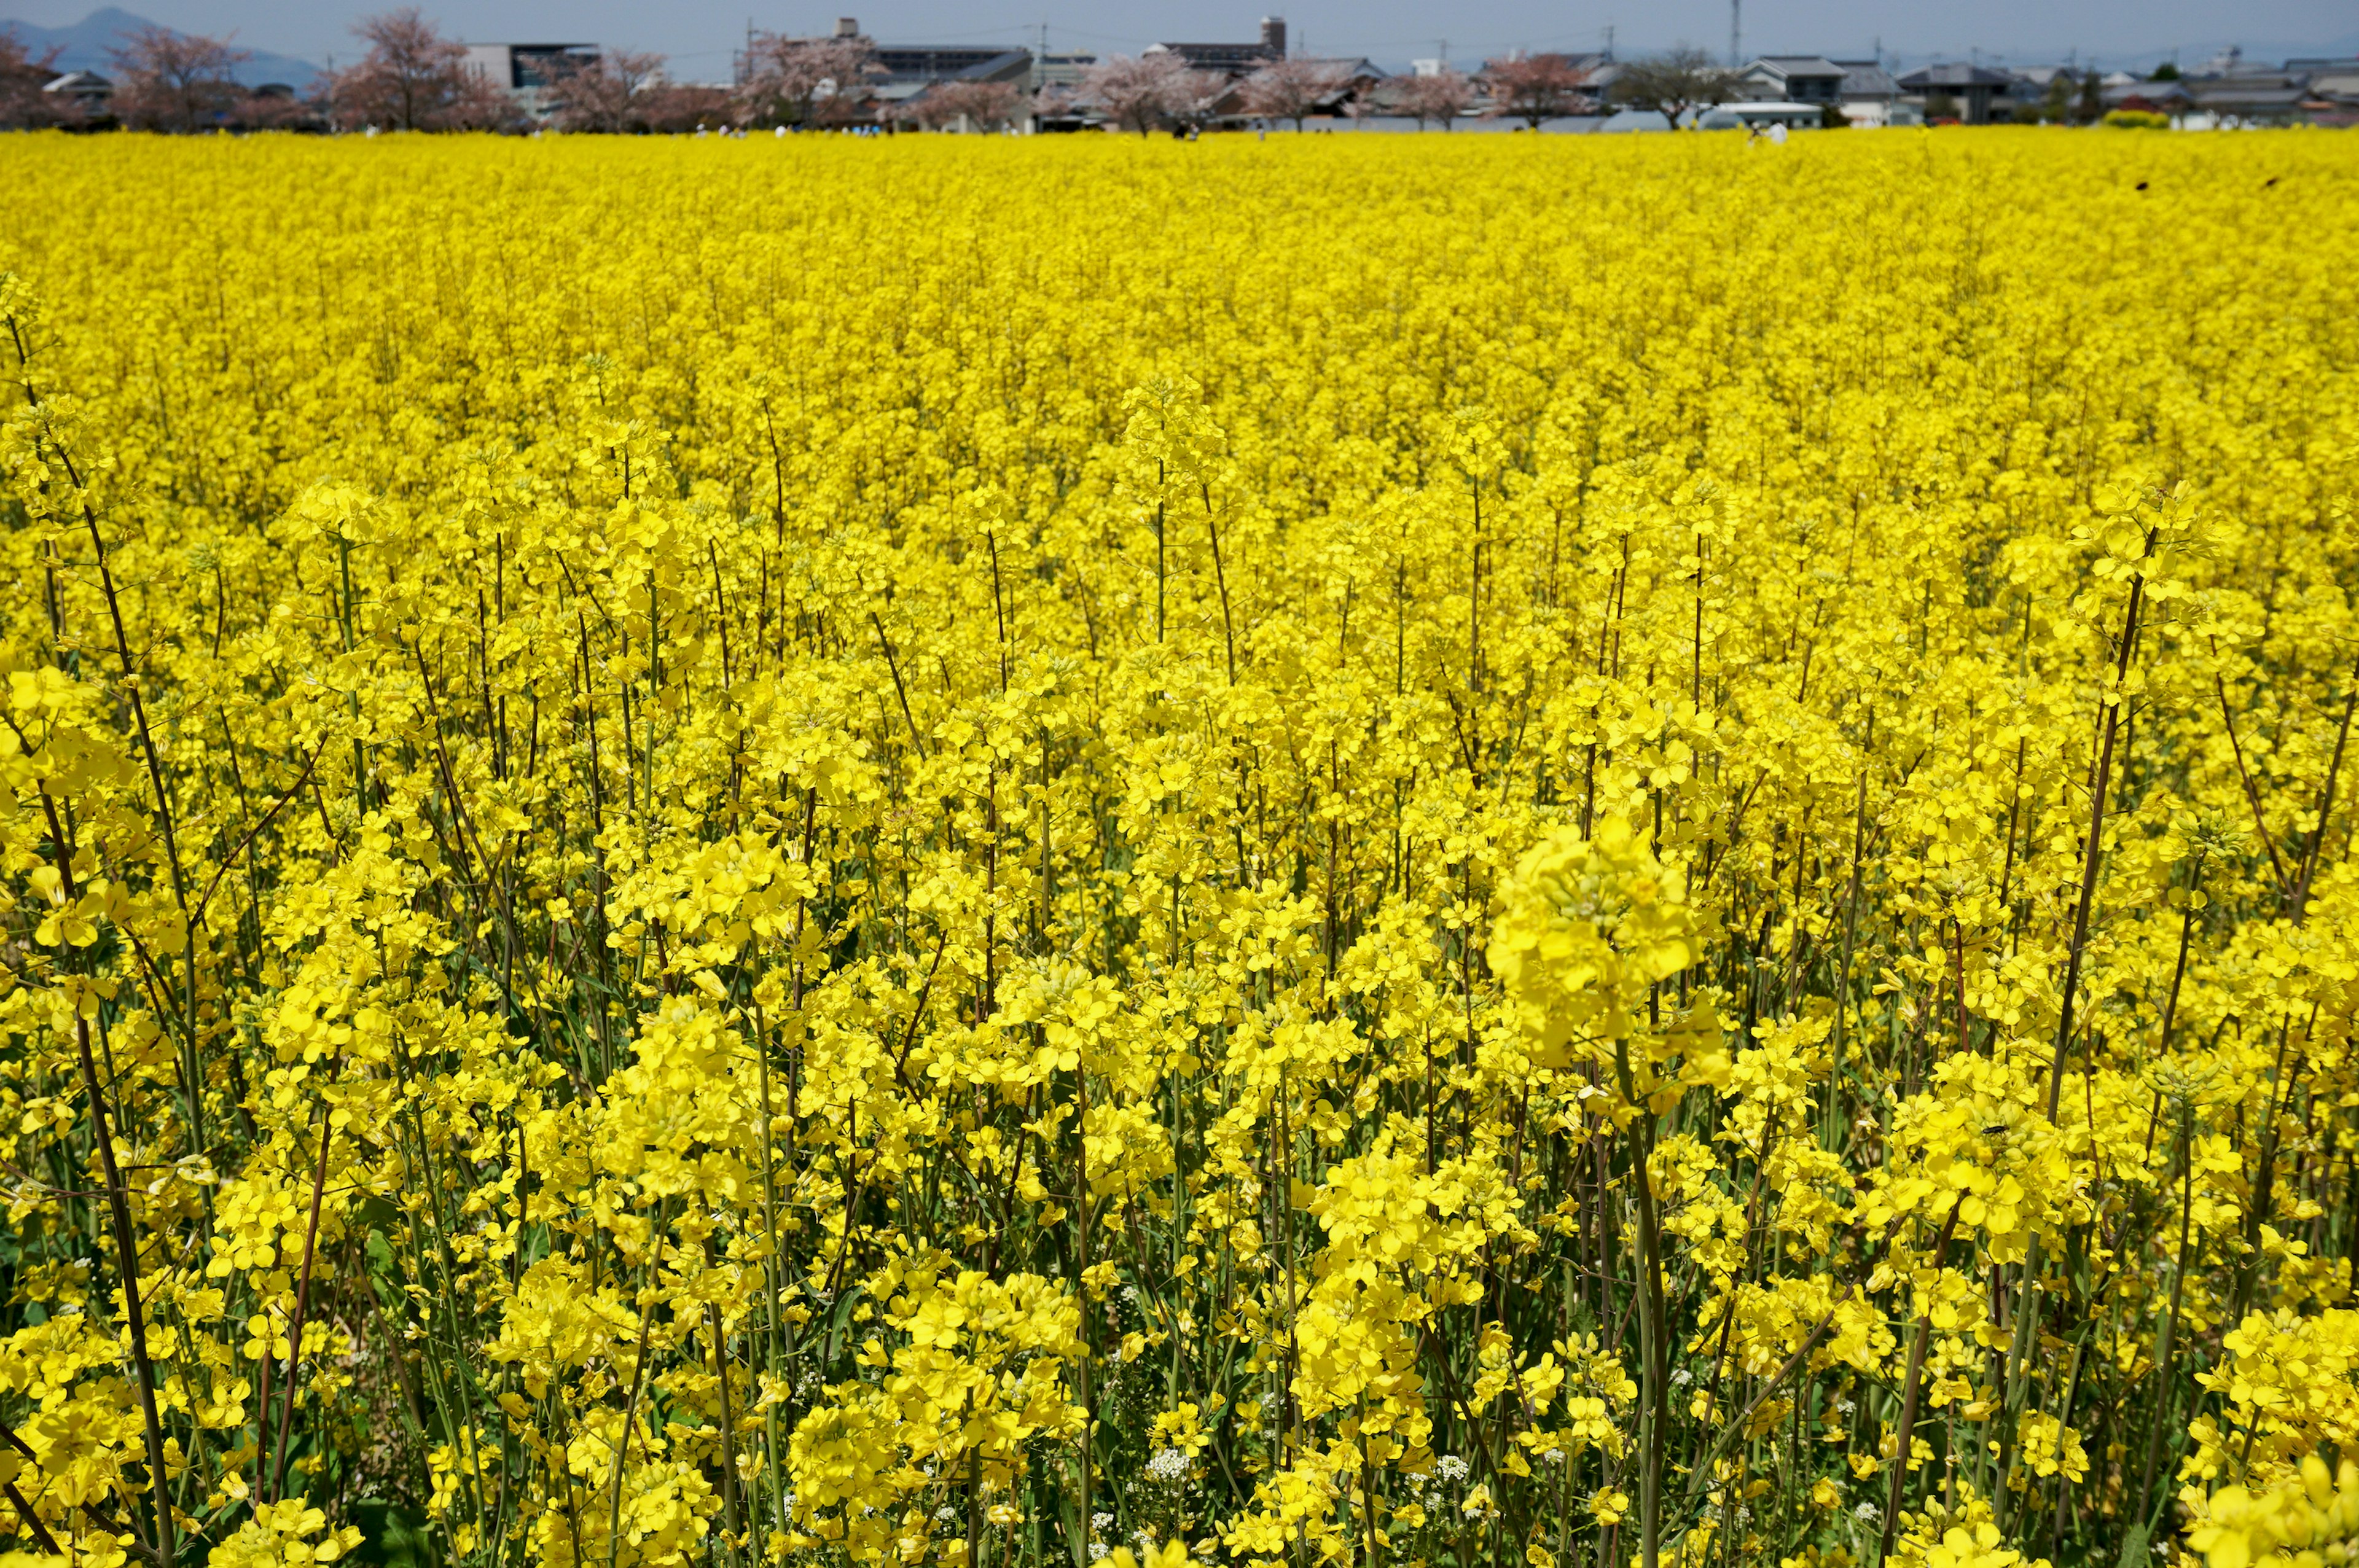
x=1552, y=1456
x=1868, y=1513
x=1099, y=1521
x=1681, y=1378
x=1450, y=1467
x=1097, y=1549
x=1169, y=1465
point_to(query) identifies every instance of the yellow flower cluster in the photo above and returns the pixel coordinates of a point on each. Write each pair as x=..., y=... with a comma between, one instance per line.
x=2310, y=1522
x=1333, y=850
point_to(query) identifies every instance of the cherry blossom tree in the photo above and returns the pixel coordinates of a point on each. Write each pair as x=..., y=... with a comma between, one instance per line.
x=1438, y=98
x=1151, y=90
x=679, y=106
x=272, y=109
x=612, y=94
x=23, y=106
x=1534, y=88
x=414, y=79
x=166, y=81
x=983, y=105
x=803, y=82
x=1291, y=89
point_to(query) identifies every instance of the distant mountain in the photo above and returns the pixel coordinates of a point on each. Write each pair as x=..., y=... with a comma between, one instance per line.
x=89, y=45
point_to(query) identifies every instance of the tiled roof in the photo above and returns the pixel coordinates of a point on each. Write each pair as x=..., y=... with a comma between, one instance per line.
x=1953, y=75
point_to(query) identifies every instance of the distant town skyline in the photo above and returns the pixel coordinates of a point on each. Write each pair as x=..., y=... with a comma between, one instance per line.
x=698, y=36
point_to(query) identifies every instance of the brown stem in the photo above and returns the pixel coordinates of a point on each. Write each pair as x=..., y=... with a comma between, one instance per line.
x=2325, y=803
x=302, y=1300
x=2252, y=795
x=638, y=1379
x=898, y=689
x=31, y=1521
x=1911, y=1390
x=2094, y=855
x=127, y=1247
x=1220, y=575
x=98, y=1515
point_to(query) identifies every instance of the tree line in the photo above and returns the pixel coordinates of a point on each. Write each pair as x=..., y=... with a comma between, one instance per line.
x=412, y=77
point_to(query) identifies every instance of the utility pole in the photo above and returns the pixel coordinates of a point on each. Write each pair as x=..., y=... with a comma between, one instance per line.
x=1609, y=41
x=1735, y=34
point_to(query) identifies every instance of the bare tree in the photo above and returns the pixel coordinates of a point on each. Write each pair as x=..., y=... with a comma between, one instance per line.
x=414, y=79
x=23, y=106
x=1534, y=88
x=1151, y=90
x=1290, y=89
x=796, y=81
x=166, y=81
x=611, y=94
x=1671, y=84
x=1440, y=98
x=982, y=105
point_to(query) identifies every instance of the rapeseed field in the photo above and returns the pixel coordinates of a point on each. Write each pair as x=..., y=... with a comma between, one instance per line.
x=1352, y=849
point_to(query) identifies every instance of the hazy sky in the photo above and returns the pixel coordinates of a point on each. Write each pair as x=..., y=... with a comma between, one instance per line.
x=697, y=34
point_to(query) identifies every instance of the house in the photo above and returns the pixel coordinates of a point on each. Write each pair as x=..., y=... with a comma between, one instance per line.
x=2035, y=79
x=899, y=72
x=2255, y=100
x=2310, y=68
x=80, y=94
x=2250, y=93
x=1059, y=107
x=926, y=63
x=1231, y=59
x=1868, y=92
x=1969, y=87
x=900, y=75
x=1349, y=87
x=1792, y=79
x=528, y=69
x=1059, y=70
x=2032, y=89
x=2165, y=97
x=1755, y=114
x=1597, y=68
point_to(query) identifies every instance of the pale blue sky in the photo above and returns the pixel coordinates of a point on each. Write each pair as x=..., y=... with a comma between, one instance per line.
x=697, y=34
